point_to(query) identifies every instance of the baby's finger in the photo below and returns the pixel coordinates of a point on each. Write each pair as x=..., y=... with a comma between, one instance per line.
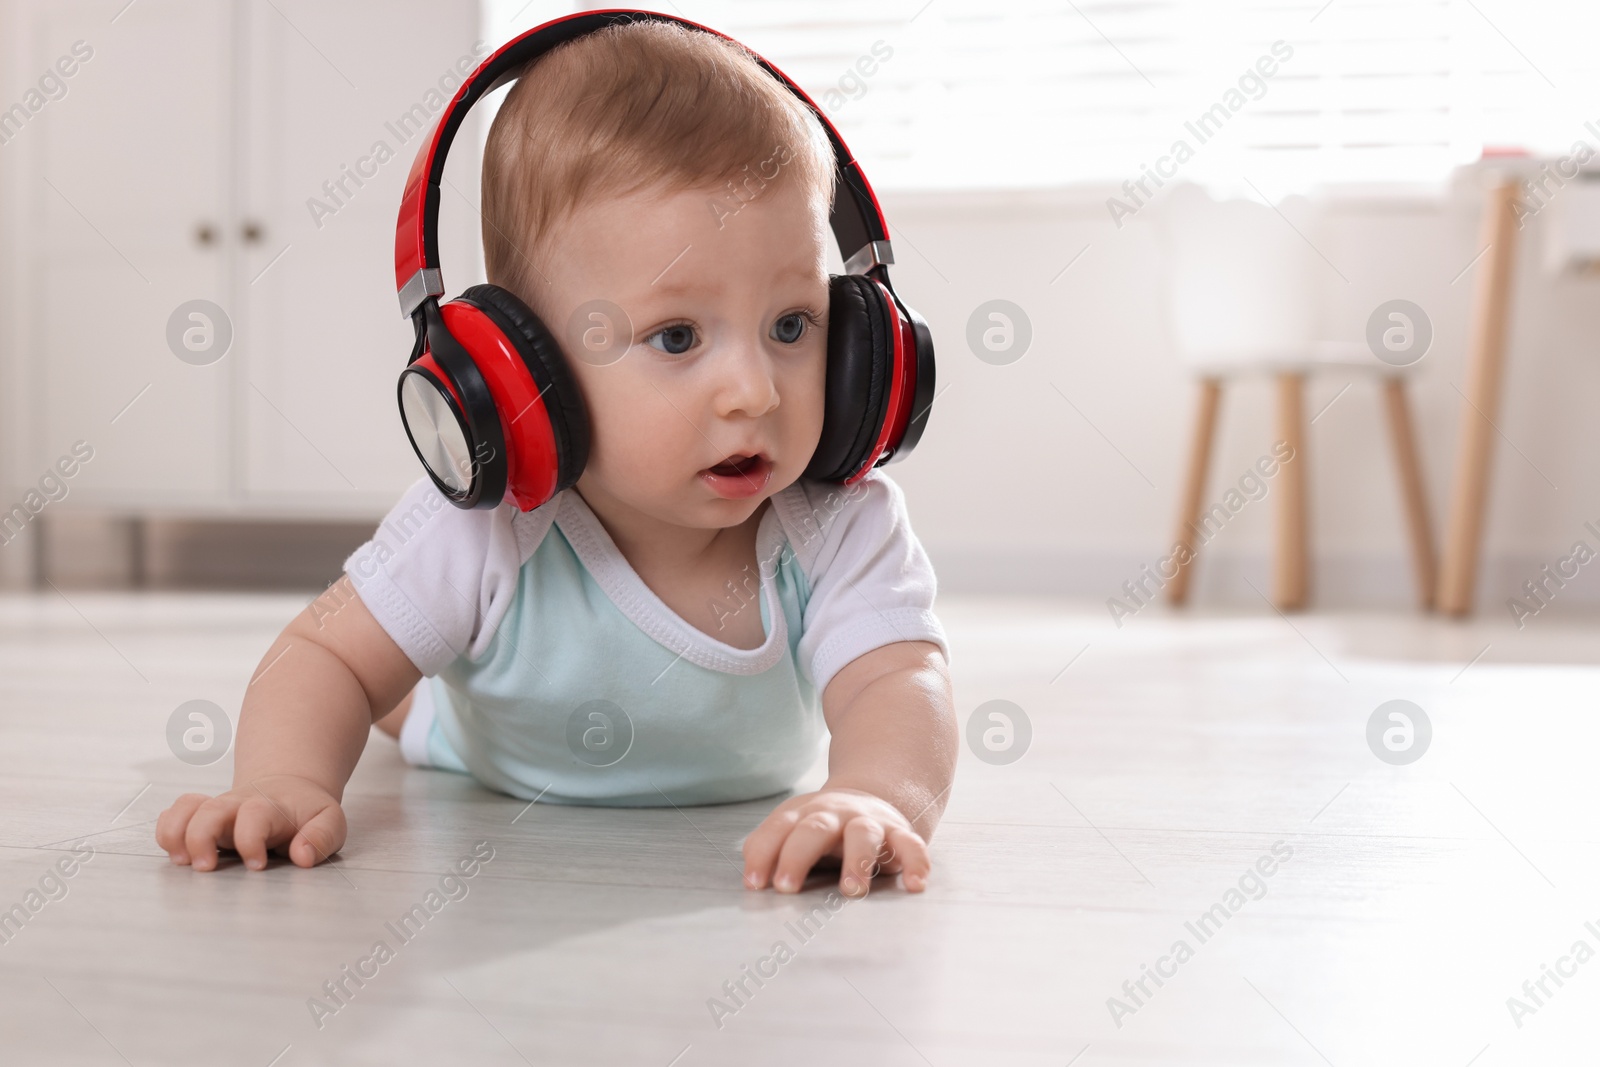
x=173, y=822
x=813, y=837
x=863, y=841
x=259, y=825
x=762, y=846
x=911, y=851
x=211, y=826
x=320, y=837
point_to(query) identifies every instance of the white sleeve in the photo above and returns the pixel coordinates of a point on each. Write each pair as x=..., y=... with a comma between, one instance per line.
x=871, y=582
x=439, y=578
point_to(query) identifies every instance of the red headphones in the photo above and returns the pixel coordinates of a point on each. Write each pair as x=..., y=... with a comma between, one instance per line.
x=488, y=400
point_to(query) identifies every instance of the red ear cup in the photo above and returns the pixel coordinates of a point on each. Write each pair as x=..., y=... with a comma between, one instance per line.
x=448, y=413
x=914, y=418
x=560, y=401
x=490, y=405
x=880, y=375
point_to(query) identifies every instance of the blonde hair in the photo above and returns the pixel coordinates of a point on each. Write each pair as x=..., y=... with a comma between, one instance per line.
x=627, y=108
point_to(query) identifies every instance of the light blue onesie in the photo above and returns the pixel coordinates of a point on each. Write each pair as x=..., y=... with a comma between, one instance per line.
x=555, y=673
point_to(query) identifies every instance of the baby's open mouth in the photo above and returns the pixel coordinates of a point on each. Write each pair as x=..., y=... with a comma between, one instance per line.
x=739, y=476
x=737, y=465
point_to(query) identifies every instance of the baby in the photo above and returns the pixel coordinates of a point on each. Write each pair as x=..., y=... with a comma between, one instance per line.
x=691, y=620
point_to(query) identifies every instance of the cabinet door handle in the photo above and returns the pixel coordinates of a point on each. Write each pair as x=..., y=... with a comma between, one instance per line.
x=205, y=234
x=251, y=232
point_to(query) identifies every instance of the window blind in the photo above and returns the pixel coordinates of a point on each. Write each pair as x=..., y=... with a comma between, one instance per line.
x=1006, y=94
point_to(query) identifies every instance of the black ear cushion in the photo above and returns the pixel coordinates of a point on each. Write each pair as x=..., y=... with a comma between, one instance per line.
x=860, y=361
x=569, y=418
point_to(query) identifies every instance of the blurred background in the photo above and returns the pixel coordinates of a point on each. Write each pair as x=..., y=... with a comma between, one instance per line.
x=197, y=202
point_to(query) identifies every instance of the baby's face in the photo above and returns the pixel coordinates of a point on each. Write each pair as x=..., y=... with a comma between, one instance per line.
x=729, y=352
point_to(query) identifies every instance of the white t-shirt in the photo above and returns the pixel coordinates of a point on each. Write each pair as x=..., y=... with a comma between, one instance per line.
x=554, y=671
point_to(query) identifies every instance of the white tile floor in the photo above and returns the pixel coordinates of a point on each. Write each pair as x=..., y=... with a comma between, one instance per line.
x=1168, y=758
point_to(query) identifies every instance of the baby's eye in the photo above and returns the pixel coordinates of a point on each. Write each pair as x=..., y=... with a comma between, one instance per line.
x=791, y=327
x=676, y=340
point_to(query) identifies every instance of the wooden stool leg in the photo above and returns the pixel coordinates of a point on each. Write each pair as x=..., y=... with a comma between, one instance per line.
x=138, y=576
x=1458, y=571
x=1194, y=487
x=1289, y=577
x=1412, y=495
x=39, y=562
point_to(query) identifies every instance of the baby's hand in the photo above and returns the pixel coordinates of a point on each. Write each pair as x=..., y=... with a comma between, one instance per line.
x=866, y=833
x=272, y=812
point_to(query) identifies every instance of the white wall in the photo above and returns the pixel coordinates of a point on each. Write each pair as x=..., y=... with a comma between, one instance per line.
x=1013, y=489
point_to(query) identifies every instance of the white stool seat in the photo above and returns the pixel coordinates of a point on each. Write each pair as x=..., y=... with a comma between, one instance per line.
x=1242, y=301
x=1347, y=356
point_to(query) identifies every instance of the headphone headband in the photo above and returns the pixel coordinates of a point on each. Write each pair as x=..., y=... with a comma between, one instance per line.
x=857, y=220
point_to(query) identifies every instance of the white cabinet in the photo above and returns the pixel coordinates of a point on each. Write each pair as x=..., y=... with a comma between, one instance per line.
x=117, y=185
x=228, y=152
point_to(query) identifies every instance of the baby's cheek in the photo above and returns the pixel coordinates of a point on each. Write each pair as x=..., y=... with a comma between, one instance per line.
x=805, y=399
x=646, y=452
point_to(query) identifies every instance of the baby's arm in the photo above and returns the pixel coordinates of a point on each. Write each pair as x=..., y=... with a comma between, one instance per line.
x=890, y=767
x=305, y=719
